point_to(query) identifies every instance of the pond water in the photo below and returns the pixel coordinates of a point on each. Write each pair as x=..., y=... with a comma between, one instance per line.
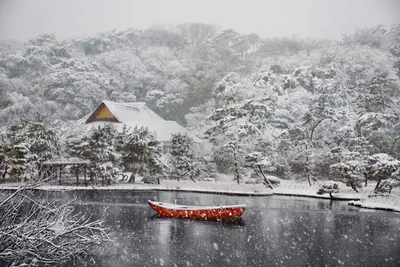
x=274, y=231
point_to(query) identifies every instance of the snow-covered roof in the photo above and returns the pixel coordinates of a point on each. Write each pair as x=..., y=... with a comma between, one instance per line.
x=128, y=112
x=137, y=114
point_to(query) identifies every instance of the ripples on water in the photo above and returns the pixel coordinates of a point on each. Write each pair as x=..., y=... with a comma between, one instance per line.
x=274, y=231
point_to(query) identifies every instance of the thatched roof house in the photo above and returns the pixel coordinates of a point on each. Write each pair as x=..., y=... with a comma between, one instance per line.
x=135, y=114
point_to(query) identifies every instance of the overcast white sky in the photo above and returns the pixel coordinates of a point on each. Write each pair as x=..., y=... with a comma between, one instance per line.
x=23, y=19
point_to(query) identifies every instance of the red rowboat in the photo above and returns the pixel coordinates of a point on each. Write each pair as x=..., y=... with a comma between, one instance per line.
x=167, y=210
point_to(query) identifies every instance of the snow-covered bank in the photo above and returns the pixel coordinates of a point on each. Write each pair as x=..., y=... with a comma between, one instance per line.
x=364, y=199
x=380, y=202
x=287, y=188
x=295, y=193
x=376, y=206
x=218, y=188
x=167, y=185
x=303, y=189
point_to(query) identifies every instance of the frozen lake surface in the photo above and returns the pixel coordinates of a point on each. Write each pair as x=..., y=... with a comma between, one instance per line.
x=275, y=231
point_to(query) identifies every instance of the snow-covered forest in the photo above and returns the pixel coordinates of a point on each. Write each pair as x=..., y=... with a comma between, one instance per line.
x=285, y=116
x=300, y=108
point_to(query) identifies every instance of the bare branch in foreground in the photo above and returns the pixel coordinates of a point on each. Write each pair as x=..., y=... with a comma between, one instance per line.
x=40, y=232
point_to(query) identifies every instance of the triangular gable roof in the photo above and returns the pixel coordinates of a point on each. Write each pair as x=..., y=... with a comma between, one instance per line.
x=123, y=112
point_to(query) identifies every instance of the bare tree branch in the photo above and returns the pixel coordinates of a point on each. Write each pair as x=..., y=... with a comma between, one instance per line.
x=37, y=231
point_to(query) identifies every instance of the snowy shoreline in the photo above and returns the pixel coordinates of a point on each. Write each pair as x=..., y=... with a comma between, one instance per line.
x=390, y=203
x=199, y=187
x=310, y=195
x=373, y=206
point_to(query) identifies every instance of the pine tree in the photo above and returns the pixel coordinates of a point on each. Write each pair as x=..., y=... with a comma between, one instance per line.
x=261, y=164
x=238, y=127
x=330, y=188
x=352, y=173
x=380, y=167
x=25, y=144
x=183, y=158
x=98, y=148
x=140, y=153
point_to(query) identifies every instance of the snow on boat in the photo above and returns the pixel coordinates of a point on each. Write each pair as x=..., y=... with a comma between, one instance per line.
x=167, y=210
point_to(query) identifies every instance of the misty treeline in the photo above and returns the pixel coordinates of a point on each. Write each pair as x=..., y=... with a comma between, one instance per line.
x=172, y=71
x=291, y=107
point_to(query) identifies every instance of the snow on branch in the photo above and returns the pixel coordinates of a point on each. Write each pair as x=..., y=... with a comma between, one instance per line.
x=37, y=231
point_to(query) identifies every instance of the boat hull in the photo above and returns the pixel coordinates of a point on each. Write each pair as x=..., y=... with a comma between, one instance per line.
x=166, y=210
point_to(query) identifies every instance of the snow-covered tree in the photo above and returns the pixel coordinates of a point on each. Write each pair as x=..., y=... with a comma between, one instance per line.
x=97, y=146
x=25, y=144
x=75, y=84
x=183, y=158
x=351, y=149
x=43, y=138
x=16, y=160
x=329, y=187
x=351, y=172
x=237, y=127
x=319, y=89
x=380, y=167
x=261, y=165
x=140, y=153
x=320, y=111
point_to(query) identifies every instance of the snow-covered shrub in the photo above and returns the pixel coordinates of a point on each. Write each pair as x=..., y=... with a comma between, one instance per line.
x=395, y=178
x=275, y=181
x=351, y=172
x=380, y=167
x=386, y=187
x=328, y=187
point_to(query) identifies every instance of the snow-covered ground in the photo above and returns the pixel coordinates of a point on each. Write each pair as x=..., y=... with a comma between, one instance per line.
x=391, y=204
x=289, y=188
x=303, y=189
x=200, y=187
x=364, y=199
x=383, y=202
x=218, y=187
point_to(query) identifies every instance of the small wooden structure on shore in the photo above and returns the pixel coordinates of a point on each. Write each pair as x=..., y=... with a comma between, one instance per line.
x=50, y=169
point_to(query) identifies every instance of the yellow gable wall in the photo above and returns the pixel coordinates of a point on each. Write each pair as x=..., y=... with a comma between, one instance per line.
x=105, y=114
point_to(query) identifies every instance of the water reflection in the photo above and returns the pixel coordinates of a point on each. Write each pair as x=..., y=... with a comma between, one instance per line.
x=277, y=231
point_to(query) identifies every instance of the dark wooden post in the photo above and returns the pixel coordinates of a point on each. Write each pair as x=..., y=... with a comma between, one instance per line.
x=4, y=173
x=84, y=174
x=50, y=172
x=77, y=175
x=59, y=174
x=40, y=171
x=54, y=173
